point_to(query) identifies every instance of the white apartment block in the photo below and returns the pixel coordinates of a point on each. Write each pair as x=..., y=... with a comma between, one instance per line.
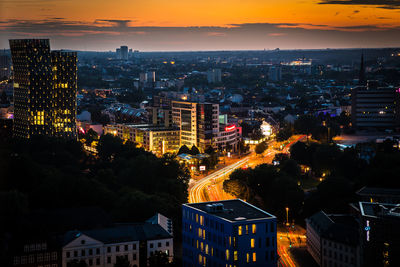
x=101, y=247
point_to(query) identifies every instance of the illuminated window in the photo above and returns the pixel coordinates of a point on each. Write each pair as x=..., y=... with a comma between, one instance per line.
x=252, y=243
x=239, y=230
x=204, y=234
x=235, y=255
x=254, y=256
x=254, y=228
x=247, y=229
x=201, y=220
x=227, y=254
x=200, y=232
x=197, y=218
x=247, y=257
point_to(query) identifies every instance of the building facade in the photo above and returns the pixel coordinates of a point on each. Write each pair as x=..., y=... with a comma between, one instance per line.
x=375, y=107
x=154, y=138
x=380, y=233
x=5, y=66
x=214, y=76
x=200, y=126
x=184, y=116
x=228, y=233
x=36, y=253
x=334, y=240
x=64, y=65
x=228, y=138
x=102, y=247
x=45, y=86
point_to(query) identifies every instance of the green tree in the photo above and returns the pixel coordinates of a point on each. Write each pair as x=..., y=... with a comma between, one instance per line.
x=237, y=188
x=261, y=147
x=194, y=150
x=284, y=133
x=109, y=146
x=122, y=261
x=159, y=259
x=90, y=136
x=281, y=157
x=299, y=152
x=184, y=150
x=305, y=124
x=76, y=263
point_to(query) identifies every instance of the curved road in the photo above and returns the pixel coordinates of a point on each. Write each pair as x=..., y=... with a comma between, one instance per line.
x=196, y=193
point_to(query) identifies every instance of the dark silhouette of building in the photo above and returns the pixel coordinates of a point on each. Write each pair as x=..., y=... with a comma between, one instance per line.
x=361, y=78
x=381, y=235
x=375, y=107
x=45, y=86
x=5, y=66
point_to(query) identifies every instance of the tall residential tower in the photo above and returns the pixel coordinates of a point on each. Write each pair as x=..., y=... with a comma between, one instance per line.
x=45, y=86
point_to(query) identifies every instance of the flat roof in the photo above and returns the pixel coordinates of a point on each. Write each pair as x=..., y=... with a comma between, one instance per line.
x=374, y=191
x=151, y=127
x=376, y=210
x=235, y=210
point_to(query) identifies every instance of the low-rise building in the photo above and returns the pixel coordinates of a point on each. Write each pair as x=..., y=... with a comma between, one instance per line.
x=227, y=138
x=154, y=138
x=102, y=247
x=228, y=233
x=334, y=240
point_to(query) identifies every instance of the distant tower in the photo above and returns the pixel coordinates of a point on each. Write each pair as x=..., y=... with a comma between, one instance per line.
x=361, y=78
x=124, y=52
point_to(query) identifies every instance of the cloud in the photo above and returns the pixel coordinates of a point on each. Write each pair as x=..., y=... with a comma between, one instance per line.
x=106, y=34
x=387, y=4
x=216, y=34
x=115, y=22
x=277, y=34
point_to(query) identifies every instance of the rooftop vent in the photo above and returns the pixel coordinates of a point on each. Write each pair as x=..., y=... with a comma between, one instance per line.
x=213, y=208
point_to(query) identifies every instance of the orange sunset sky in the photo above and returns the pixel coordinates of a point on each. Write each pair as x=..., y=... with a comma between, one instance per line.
x=203, y=25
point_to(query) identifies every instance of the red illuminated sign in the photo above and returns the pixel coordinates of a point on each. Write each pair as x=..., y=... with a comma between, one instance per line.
x=230, y=128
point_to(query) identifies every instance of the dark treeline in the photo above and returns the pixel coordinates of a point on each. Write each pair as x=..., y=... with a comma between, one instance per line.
x=343, y=173
x=128, y=183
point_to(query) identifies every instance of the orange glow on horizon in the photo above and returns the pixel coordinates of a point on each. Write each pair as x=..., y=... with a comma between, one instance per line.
x=184, y=13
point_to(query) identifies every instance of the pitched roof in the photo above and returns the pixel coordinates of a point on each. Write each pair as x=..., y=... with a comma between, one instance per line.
x=336, y=227
x=121, y=233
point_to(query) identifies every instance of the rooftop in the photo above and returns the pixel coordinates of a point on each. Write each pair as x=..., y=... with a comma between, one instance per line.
x=235, y=210
x=151, y=127
x=337, y=227
x=374, y=191
x=379, y=209
x=121, y=233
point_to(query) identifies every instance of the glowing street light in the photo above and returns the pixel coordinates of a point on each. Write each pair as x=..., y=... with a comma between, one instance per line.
x=287, y=216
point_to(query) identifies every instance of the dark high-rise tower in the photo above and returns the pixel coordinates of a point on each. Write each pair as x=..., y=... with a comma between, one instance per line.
x=64, y=93
x=361, y=77
x=44, y=89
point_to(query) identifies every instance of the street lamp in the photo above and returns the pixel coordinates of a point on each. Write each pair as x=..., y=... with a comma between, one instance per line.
x=287, y=216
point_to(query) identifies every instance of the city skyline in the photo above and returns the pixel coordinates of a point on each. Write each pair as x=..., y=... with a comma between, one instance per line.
x=227, y=25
